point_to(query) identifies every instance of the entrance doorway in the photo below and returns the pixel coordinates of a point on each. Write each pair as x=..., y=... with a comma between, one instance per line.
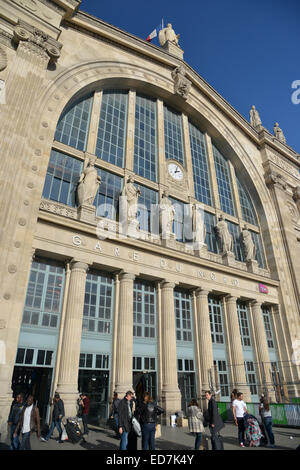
x=95, y=383
x=144, y=382
x=186, y=383
x=34, y=381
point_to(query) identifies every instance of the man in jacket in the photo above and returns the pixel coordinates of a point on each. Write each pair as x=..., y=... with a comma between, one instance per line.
x=125, y=419
x=114, y=411
x=13, y=419
x=29, y=422
x=214, y=419
x=57, y=415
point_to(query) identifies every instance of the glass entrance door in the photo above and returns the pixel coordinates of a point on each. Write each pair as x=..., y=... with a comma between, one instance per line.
x=95, y=383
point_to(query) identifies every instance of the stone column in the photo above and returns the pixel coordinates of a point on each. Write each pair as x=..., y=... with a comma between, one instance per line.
x=204, y=339
x=171, y=396
x=263, y=357
x=70, y=348
x=237, y=357
x=125, y=335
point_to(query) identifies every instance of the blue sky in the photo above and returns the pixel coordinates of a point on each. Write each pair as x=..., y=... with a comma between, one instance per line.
x=247, y=50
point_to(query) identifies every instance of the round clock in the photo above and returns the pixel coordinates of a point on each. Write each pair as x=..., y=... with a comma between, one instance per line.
x=175, y=171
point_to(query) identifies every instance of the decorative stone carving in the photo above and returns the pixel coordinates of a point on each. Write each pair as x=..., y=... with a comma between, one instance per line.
x=166, y=215
x=273, y=179
x=278, y=133
x=131, y=195
x=168, y=34
x=199, y=227
x=37, y=41
x=255, y=120
x=248, y=245
x=181, y=84
x=88, y=183
x=296, y=194
x=224, y=236
x=3, y=59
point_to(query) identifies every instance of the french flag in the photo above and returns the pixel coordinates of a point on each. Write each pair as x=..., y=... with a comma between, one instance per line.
x=155, y=32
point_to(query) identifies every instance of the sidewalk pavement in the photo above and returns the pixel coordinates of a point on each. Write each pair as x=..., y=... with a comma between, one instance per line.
x=175, y=439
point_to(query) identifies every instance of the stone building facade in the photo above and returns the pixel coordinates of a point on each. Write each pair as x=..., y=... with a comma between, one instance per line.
x=88, y=306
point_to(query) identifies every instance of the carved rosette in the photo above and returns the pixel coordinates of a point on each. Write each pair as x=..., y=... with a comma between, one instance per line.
x=182, y=85
x=37, y=42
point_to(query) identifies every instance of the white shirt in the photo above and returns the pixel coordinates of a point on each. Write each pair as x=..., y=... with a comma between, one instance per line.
x=26, y=421
x=239, y=408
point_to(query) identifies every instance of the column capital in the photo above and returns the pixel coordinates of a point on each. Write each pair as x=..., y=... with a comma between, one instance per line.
x=165, y=284
x=77, y=265
x=125, y=276
x=200, y=292
x=231, y=299
x=255, y=303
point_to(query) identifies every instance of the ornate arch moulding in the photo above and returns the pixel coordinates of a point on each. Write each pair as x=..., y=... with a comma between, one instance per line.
x=89, y=75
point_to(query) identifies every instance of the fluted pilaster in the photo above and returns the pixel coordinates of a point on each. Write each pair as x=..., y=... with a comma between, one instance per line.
x=204, y=339
x=125, y=335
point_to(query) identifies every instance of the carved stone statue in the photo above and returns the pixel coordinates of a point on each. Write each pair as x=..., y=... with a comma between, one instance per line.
x=225, y=238
x=278, y=133
x=166, y=214
x=168, y=34
x=88, y=183
x=181, y=84
x=255, y=120
x=132, y=194
x=248, y=245
x=199, y=227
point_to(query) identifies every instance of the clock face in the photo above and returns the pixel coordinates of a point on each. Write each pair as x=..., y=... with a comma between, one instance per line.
x=175, y=171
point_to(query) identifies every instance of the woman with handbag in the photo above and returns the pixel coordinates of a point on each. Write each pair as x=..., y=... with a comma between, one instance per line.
x=148, y=413
x=195, y=420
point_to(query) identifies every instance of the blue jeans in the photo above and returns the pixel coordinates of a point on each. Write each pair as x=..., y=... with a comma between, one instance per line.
x=148, y=436
x=51, y=429
x=124, y=440
x=268, y=426
x=14, y=441
x=116, y=418
x=198, y=440
x=25, y=444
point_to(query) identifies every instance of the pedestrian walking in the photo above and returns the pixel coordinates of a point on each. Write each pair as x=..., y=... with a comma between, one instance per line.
x=114, y=411
x=57, y=415
x=85, y=403
x=195, y=421
x=148, y=413
x=125, y=415
x=13, y=419
x=215, y=422
x=266, y=417
x=239, y=408
x=29, y=422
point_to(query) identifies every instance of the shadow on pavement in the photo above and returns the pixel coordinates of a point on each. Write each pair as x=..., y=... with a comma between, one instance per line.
x=102, y=445
x=168, y=445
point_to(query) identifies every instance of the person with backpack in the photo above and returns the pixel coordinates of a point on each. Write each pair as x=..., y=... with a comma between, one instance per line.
x=148, y=413
x=215, y=422
x=195, y=420
x=266, y=417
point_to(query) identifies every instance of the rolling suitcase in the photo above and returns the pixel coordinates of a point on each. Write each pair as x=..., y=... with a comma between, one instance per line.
x=73, y=431
x=217, y=442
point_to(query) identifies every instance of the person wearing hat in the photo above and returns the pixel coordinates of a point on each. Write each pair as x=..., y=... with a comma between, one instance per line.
x=57, y=415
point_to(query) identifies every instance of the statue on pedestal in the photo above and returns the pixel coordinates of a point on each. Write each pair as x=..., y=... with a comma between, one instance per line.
x=166, y=214
x=255, y=120
x=168, y=34
x=132, y=194
x=225, y=238
x=88, y=183
x=278, y=133
x=199, y=227
x=248, y=245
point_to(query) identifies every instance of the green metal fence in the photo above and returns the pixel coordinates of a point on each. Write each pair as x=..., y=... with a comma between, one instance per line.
x=282, y=414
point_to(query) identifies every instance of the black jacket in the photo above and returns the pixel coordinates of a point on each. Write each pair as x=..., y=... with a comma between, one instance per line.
x=123, y=413
x=15, y=412
x=148, y=413
x=115, y=404
x=213, y=415
x=58, y=409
